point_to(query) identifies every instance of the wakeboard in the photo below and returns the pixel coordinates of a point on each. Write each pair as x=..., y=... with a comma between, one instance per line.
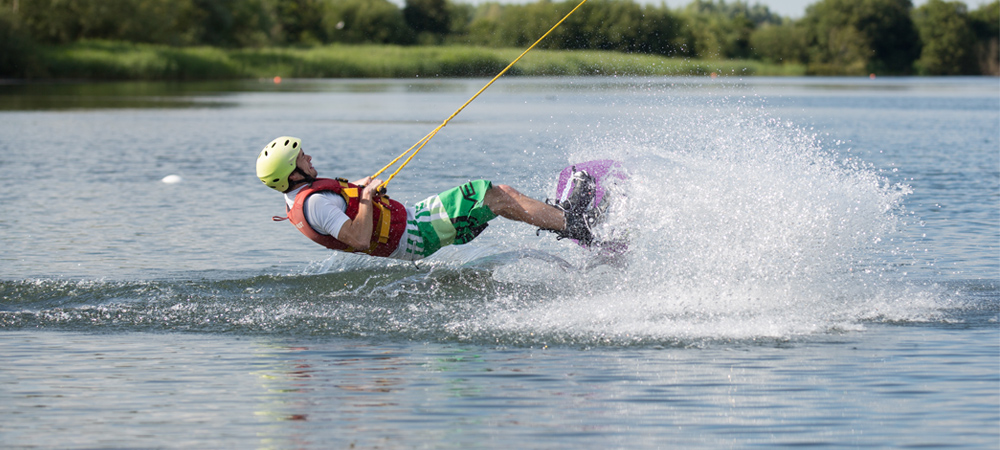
x=609, y=178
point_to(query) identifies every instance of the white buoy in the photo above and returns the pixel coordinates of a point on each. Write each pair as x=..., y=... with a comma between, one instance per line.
x=172, y=179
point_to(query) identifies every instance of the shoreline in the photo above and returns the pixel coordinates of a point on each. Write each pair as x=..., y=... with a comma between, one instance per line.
x=122, y=61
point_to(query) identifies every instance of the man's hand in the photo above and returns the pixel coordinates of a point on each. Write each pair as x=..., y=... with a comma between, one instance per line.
x=357, y=232
x=363, y=182
x=370, y=187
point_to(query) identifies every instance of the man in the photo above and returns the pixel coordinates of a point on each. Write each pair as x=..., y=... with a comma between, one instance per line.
x=353, y=217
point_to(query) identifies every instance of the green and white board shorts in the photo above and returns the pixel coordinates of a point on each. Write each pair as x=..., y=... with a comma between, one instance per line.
x=455, y=216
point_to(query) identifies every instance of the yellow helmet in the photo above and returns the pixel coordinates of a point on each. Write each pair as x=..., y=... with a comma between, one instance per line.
x=277, y=161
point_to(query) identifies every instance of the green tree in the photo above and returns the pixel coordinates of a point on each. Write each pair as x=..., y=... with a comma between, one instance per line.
x=431, y=19
x=602, y=24
x=515, y=25
x=232, y=23
x=861, y=36
x=784, y=43
x=662, y=32
x=948, y=40
x=722, y=30
x=16, y=47
x=300, y=21
x=367, y=21
x=618, y=25
x=482, y=28
x=153, y=21
x=985, y=23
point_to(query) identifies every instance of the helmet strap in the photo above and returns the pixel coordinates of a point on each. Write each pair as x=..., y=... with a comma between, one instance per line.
x=305, y=177
x=292, y=184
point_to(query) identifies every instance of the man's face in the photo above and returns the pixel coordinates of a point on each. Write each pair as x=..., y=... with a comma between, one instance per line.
x=304, y=162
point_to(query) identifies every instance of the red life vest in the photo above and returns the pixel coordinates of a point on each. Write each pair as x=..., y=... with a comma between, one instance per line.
x=388, y=217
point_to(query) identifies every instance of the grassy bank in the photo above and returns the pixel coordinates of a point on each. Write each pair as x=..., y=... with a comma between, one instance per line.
x=127, y=61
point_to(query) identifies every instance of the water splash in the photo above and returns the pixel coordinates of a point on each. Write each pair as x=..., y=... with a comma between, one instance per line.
x=742, y=226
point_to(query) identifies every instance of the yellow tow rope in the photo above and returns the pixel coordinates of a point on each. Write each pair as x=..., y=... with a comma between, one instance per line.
x=422, y=142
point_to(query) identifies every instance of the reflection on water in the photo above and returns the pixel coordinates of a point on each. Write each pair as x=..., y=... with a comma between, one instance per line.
x=24, y=96
x=556, y=398
x=891, y=388
x=66, y=95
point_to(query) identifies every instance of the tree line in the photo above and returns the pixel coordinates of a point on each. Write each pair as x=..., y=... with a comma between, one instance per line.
x=835, y=37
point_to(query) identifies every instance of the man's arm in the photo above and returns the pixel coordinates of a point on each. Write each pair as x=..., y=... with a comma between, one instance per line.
x=357, y=233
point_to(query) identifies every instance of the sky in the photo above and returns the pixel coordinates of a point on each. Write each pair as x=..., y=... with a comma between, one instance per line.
x=788, y=8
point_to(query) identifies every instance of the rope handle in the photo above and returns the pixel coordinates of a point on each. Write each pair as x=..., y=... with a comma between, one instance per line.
x=419, y=145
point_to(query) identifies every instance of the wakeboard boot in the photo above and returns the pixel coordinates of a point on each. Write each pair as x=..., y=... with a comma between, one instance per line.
x=578, y=228
x=578, y=209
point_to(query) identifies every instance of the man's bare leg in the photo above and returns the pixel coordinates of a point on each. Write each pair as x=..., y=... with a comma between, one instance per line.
x=507, y=202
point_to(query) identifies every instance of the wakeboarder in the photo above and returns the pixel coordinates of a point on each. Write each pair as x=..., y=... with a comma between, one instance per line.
x=356, y=217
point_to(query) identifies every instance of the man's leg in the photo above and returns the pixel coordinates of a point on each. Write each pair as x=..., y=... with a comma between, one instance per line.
x=507, y=202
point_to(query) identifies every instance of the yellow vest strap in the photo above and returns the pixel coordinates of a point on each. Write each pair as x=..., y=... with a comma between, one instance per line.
x=383, y=223
x=382, y=226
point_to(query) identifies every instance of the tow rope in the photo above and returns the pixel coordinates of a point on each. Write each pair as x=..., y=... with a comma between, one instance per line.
x=419, y=145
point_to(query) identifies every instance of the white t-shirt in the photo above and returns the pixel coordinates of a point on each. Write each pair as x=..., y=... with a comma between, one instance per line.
x=325, y=212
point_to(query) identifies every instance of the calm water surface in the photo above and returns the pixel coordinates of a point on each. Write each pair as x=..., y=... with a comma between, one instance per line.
x=813, y=262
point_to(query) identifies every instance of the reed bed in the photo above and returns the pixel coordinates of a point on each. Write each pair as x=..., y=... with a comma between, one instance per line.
x=131, y=61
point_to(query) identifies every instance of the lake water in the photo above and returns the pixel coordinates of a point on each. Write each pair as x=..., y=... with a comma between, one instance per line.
x=812, y=262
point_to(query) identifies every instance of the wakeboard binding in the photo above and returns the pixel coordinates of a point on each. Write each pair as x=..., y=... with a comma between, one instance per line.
x=577, y=207
x=586, y=192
